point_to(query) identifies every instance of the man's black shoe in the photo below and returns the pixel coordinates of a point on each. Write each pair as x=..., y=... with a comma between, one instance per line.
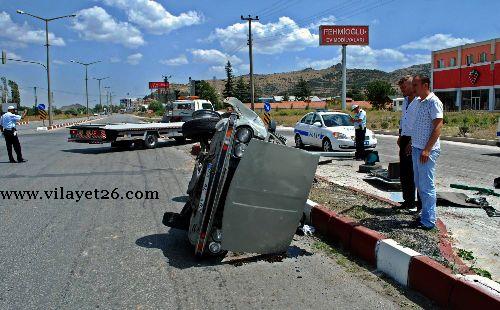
x=22, y=161
x=419, y=225
x=12, y=161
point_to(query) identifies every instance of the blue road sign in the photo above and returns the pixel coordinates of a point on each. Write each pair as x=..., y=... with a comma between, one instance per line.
x=41, y=106
x=267, y=106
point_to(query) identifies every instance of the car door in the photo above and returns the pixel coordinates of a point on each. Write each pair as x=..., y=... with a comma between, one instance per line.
x=303, y=128
x=316, y=133
x=266, y=198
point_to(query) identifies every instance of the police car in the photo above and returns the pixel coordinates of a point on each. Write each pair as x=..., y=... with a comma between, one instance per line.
x=332, y=131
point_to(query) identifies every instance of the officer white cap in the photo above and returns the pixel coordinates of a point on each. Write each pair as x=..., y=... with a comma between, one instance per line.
x=11, y=107
x=354, y=107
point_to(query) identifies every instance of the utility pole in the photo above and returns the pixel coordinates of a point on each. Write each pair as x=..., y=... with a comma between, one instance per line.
x=99, y=80
x=252, y=89
x=47, y=66
x=107, y=98
x=344, y=77
x=86, y=79
x=36, y=98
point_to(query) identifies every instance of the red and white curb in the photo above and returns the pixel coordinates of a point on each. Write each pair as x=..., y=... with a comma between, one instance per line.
x=408, y=267
x=23, y=123
x=65, y=125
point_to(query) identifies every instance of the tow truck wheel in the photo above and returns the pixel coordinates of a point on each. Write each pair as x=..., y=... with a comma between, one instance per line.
x=298, y=142
x=150, y=141
x=327, y=145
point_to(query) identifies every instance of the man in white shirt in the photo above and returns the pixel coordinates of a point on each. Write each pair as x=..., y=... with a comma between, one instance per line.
x=8, y=123
x=404, y=142
x=359, y=121
x=426, y=148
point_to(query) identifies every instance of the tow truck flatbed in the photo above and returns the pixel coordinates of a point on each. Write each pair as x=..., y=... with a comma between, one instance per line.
x=126, y=134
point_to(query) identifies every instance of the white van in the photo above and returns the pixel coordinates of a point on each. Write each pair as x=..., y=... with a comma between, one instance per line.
x=182, y=110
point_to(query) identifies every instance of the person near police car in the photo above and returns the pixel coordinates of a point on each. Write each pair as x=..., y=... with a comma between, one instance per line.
x=426, y=148
x=404, y=142
x=8, y=126
x=359, y=121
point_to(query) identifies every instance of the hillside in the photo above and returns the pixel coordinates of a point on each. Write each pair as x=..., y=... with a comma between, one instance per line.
x=325, y=82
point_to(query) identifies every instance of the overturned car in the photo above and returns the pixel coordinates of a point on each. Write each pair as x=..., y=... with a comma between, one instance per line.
x=248, y=189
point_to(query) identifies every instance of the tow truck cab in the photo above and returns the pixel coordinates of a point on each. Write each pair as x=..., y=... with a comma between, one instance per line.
x=182, y=110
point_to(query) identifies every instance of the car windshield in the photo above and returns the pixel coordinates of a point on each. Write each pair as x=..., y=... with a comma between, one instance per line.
x=183, y=106
x=334, y=120
x=207, y=106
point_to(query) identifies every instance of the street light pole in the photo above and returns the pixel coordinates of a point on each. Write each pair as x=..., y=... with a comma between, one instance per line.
x=99, y=81
x=47, y=66
x=86, y=65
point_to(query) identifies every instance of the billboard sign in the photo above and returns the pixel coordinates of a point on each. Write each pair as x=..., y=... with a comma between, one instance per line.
x=343, y=35
x=156, y=85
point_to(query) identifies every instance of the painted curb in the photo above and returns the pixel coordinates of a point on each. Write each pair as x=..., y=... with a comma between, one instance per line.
x=406, y=266
x=394, y=260
x=447, y=138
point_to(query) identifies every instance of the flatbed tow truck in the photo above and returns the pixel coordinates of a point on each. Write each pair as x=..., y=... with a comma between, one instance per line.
x=125, y=135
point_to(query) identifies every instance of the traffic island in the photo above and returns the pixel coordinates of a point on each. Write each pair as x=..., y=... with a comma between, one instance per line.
x=373, y=231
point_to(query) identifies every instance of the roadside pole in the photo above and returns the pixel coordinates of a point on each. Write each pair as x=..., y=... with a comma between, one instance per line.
x=343, y=35
x=252, y=88
x=344, y=77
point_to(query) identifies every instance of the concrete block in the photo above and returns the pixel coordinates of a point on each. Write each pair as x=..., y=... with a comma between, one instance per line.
x=41, y=129
x=307, y=210
x=320, y=218
x=364, y=243
x=431, y=279
x=340, y=230
x=468, y=294
x=394, y=260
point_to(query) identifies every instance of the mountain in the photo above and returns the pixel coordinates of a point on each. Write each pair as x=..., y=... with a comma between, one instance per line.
x=325, y=82
x=72, y=107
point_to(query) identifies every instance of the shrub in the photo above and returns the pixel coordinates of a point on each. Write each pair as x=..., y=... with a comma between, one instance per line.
x=384, y=125
x=463, y=130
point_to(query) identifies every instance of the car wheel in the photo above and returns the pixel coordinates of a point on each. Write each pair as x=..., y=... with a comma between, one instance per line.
x=150, y=141
x=298, y=142
x=200, y=128
x=327, y=145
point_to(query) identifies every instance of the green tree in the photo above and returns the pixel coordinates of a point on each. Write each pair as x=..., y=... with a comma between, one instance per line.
x=241, y=90
x=14, y=90
x=302, y=90
x=98, y=108
x=378, y=93
x=229, y=86
x=5, y=90
x=286, y=97
x=208, y=92
x=356, y=93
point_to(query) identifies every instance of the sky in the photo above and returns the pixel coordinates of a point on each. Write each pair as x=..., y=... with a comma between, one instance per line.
x=138, y=41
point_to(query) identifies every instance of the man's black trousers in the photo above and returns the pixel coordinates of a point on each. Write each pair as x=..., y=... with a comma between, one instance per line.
x=360, y=143
x=406, y=172
x=11, y=140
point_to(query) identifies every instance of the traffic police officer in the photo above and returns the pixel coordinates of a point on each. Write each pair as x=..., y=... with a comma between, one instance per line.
x=359, y=121
x=8, y=123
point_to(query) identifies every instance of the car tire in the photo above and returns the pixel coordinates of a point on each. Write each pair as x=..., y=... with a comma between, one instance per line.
x=180, y=140
x=121, y=145
x=298, y=142
x=200, y=128
x=327, y=145
x=150, y=141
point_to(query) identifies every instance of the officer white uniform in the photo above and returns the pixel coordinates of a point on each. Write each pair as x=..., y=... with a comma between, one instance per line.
x=8, y=123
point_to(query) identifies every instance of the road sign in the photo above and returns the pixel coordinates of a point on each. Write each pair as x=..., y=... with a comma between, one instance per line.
x=343, y=35
x=156, y=85
x=267, y=106
x=41, y=106
x=42, y=113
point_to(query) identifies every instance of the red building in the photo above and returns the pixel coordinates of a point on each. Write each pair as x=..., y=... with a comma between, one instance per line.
x=467, y=77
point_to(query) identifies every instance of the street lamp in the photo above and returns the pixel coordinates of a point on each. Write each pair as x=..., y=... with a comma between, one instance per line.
x=86, y=79
x=47, y=20
x=108, y=97
x=99, y=80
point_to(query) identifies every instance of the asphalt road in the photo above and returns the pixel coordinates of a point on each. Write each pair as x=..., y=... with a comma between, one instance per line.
x=474, y=165
x=59, y=253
